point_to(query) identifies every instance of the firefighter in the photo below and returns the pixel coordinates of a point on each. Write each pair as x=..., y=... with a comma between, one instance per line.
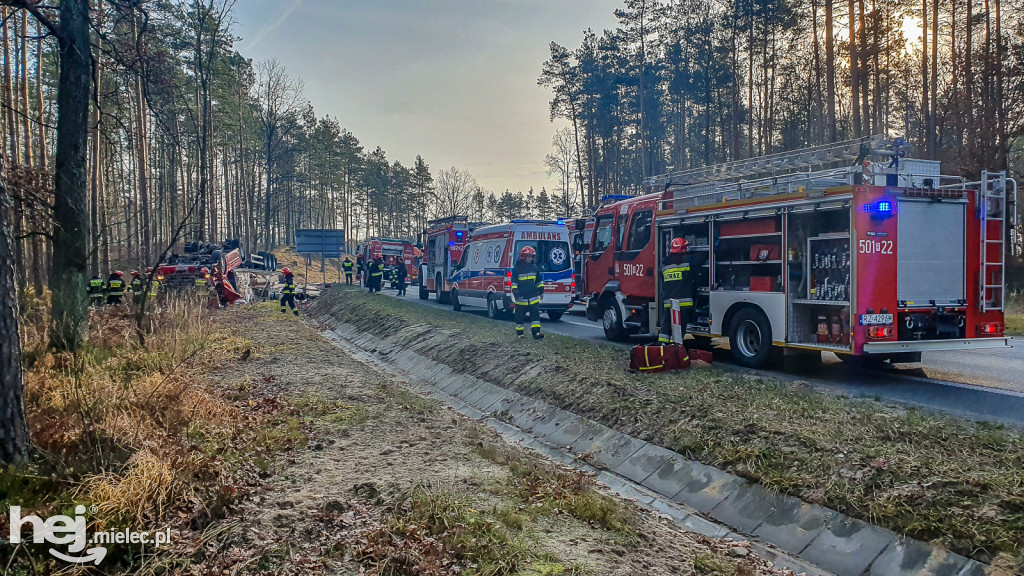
x=115, y=288
x=136, y=287
x=360, y=269
x=347, y=266
x=203, y=280
x=376, y=276
x=676, y=284
x=288, y=292
x=400, y=275
x=154, y=289
x=527, y=287
x=96, y=291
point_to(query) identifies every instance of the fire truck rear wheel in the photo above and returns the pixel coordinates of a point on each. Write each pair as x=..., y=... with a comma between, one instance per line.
x=456, y=305
x=424, y=294
x=611, y=321
x=442, y=296
x=750, y=337
x=555, y=315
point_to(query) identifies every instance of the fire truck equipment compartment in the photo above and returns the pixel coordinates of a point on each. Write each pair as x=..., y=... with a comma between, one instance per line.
x=930, y=252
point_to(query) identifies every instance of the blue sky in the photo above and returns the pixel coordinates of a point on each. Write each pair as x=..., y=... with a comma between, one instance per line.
x=452, y=80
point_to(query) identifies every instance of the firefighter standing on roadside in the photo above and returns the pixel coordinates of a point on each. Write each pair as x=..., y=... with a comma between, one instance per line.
x=96, y=291
x=347, y=266
x=136, y=287
x=360, y=269
x=400, y=275
x=376, y=276
x=288, y=292
x=527, y=287
x=676, y=284
x=115, y=288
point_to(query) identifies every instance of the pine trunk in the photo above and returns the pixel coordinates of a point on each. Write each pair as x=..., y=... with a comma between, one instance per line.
x=13, y=426
x=70, y=213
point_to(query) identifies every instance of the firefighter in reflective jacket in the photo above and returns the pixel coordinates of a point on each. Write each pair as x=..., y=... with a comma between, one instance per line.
x=527, y=286
x=288, y=292
x=115, y=288
x=676, y=284
x=136, y=287
x=347, y=265
x=376, y=276
x=96, y=292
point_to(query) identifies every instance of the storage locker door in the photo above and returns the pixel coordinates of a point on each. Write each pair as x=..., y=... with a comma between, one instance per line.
x=931, y=252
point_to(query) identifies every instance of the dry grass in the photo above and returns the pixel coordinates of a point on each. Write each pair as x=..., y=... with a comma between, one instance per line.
x=919, y=473
x=143, y=432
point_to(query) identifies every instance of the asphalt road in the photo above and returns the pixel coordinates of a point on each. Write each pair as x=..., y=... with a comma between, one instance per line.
x=981, y=385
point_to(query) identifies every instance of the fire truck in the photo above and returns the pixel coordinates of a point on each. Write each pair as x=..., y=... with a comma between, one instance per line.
x=443, y=242
x=394, y=253
x=876, y=262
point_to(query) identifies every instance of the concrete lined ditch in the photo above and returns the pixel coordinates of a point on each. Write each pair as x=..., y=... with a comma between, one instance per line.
x=785, y=530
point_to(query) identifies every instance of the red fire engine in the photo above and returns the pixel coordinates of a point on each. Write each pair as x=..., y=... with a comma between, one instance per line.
x=443, y=242
x=878, y=262
x=394, y=253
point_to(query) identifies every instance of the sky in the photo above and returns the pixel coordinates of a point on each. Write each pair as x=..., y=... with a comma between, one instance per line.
x=452, y=80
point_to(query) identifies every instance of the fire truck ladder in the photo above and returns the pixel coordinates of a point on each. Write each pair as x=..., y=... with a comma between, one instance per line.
x=992, y=213
x=846, y=151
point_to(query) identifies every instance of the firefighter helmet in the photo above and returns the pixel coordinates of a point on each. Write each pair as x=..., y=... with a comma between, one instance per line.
x=679, y=246
x=527, y=251
x=118, y=273
x=286, y=271
x=205, y=270
x=135, y=272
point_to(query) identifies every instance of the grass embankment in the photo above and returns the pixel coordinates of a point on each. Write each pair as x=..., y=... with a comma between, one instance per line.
x=141, y=432
x=919, y=473
x=1015, y=315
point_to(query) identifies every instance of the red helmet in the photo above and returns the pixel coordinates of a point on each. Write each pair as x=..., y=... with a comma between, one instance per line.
x=118, y=272
x=135, y=272
x=679, y=246
x=527, y=251
x=285, y=271
x=205, y=270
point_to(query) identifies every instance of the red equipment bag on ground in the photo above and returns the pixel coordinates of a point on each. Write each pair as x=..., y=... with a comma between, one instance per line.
x=658, y=358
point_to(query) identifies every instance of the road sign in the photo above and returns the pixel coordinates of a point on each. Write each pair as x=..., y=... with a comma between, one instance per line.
x=324, y=242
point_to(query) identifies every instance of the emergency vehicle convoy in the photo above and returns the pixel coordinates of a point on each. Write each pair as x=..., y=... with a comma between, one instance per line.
x=882, y=261
x=394, y=253
x=483, y=275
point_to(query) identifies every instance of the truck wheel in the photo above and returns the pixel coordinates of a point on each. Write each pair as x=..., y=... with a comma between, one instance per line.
x=456, y=305
x=442, y=296
x=750, y=338
x=555, y=315
x=493, y=311
x=424, y=294
x=611, y=320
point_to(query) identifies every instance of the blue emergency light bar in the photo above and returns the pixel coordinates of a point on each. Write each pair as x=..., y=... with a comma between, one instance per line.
x=459, y=233
x=615, y=197
x=881, y=208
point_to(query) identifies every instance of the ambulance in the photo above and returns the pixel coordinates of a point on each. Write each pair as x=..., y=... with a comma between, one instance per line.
x=483, y=276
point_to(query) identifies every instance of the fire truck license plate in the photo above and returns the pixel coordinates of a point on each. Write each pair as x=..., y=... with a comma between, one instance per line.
x=872, y=319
